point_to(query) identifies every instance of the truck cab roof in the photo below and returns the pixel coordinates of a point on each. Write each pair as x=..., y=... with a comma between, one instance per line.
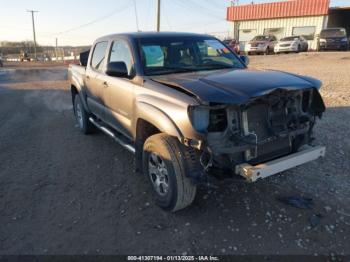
x=152, y=34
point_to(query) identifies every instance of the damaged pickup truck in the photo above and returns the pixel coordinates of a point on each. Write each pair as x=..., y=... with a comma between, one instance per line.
x=190, y=110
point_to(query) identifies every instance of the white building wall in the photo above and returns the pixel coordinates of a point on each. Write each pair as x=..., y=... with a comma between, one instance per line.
x=319, y=22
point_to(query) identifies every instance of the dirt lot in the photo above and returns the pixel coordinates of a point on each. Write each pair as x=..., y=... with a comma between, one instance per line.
x=65, y=193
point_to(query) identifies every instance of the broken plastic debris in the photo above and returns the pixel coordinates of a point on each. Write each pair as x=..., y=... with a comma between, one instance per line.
x=298, y=202
x=315, y=220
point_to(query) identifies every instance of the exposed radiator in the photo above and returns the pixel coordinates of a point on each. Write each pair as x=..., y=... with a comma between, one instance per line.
x=256, y=123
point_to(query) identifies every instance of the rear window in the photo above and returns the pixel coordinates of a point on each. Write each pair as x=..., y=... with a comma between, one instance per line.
x=308, y=32
x=98, y=57
x=261, y=38
x=336, y=32
x=291, y=38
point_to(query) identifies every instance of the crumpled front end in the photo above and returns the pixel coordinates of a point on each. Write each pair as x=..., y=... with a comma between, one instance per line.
x=263, y=129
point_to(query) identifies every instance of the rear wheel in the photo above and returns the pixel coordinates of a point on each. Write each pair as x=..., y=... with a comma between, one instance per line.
x=82, y=117
x=166, y=166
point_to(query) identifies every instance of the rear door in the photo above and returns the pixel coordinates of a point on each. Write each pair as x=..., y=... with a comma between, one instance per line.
x=119, y=92
x=94, y=79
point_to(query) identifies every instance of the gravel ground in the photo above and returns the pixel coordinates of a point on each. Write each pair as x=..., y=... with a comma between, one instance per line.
x=65, y=193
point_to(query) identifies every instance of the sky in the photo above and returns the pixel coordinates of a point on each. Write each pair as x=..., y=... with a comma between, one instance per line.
x=80, y=22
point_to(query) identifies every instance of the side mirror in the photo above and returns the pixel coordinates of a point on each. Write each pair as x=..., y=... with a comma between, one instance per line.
x=117, y=69
x=245, y=59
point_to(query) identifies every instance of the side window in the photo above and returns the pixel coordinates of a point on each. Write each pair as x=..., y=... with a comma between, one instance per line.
x=98, y=56
x=120, y=52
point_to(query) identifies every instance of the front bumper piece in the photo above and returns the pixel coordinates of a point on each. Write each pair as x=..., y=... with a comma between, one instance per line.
x=254, y=173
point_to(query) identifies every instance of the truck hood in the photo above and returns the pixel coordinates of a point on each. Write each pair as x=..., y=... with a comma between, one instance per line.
x=258, y=42
x=286, y=42
x=234, y=86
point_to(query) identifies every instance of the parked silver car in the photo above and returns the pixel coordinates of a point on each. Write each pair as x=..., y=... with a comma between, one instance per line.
x=292, y=44
x=261, y=44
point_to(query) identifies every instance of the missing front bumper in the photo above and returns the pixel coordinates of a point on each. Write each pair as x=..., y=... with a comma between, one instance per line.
x=254, y=173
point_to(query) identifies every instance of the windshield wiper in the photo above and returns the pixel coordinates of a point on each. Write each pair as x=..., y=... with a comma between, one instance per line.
x=215, y=66
x=172, y=70
x=181, y=69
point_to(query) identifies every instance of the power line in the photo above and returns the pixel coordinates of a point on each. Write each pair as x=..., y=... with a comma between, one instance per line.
x=199, y=24
x=97, y=20
x=167, y=20
x=148, y=13
x=208, y=11
x=214, y=5
x=185, y=5
x=136, y=16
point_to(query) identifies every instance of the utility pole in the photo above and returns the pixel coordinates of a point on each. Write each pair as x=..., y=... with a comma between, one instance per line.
x=33, y=11
x=56, y=46
x=158, y=16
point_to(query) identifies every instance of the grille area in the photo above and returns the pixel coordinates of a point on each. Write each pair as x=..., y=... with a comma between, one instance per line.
x=258, y=123
x=257, y=117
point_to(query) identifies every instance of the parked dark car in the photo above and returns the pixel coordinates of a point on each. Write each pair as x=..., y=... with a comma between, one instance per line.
x=192, y=112
x=333, y=39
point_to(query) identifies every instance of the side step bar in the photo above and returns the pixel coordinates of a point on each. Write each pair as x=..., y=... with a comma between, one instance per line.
x=118, y=138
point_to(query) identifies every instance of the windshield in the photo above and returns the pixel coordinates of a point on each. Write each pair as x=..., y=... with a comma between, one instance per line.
x=336, y=32
x=167, y=55
x=290, y=38
x=261, y=38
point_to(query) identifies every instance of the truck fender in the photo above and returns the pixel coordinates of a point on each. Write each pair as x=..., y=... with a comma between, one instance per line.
x=78, y=91
x=158, y=118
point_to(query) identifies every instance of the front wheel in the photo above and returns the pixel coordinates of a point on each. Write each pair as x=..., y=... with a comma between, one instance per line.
x=299, y=49
x=166, y=166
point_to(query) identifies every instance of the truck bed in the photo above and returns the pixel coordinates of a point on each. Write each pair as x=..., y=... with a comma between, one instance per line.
x=76, y=72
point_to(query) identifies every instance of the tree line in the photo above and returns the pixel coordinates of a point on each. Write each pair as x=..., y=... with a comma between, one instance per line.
x=16, y=48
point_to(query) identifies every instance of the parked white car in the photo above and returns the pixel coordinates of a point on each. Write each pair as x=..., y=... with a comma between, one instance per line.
x=292, y=44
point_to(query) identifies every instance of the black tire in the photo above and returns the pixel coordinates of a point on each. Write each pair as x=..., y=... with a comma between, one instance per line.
x=299, y=49
x=267, y=52
x=82, y=117
x=180, y=190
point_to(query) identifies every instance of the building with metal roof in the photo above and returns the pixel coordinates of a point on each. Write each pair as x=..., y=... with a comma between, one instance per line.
x=286, y=18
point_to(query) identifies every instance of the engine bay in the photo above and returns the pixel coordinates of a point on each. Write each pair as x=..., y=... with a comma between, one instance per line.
x=265, y=128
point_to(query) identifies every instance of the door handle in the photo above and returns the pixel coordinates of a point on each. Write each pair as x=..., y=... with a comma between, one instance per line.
x=105, y=84
x=88, y=77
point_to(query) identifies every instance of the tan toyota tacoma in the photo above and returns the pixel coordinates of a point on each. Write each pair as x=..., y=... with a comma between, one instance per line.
x=191, y=111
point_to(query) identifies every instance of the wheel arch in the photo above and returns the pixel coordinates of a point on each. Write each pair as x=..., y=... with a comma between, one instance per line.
x=158, y=118
x=150, y=121
x=77, y=91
